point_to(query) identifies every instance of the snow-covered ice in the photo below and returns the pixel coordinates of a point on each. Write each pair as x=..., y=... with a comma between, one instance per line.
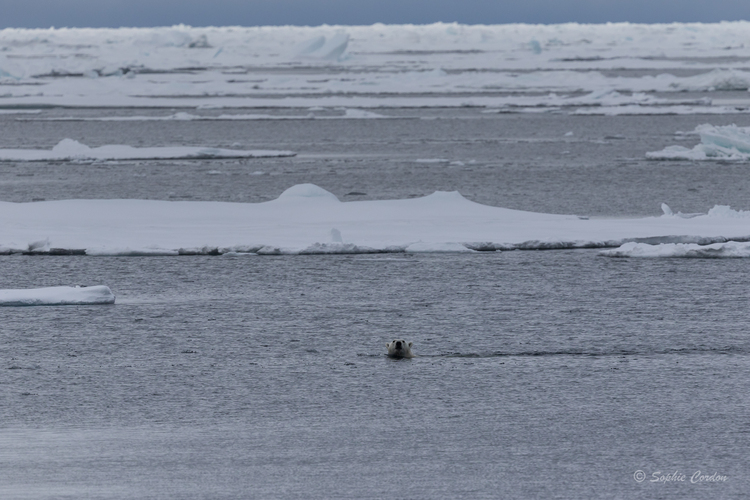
x=308, y=219
x=730, y=249
x=70, y=150
x=57, y=296
x=728, y=142
x=612, y=64
x=683, y=246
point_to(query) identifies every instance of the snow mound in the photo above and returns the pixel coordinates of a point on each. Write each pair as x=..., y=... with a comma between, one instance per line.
x=71, y=150
x=730, y=249
x=307, y=191
x=728, y=142
x=57, y=296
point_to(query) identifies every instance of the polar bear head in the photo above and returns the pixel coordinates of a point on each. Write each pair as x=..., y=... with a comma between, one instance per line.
x=399, y=349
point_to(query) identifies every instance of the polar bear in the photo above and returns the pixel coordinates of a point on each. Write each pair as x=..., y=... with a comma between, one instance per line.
x=399, y=349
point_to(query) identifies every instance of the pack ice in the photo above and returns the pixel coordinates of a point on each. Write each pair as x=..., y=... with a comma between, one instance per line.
x=442, y=64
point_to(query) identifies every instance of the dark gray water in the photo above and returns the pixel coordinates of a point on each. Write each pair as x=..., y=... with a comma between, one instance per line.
x=540, y=374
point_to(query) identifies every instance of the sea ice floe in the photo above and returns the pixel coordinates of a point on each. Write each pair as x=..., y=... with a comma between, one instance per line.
x=730, y=249
x=308, y=219
x=71, y=150
x=663, y=110
x=57, y=296
x=348, y=114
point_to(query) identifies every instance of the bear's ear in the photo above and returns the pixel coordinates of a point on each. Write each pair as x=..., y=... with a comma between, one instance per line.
x=388, y=344
x=411, y=343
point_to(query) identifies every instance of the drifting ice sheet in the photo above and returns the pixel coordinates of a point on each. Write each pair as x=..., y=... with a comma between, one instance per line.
x=57, y=296
x=308, y=219
x=70, y=150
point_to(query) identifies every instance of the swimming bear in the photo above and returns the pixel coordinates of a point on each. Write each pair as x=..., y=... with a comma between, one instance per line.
x=399, y=349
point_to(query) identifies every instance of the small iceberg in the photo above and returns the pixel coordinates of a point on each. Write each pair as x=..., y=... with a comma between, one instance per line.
x=728, y=142
x=58, y=296
x=320, y=47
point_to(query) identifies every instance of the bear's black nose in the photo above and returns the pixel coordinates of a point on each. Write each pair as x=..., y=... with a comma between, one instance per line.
x=398, y=345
